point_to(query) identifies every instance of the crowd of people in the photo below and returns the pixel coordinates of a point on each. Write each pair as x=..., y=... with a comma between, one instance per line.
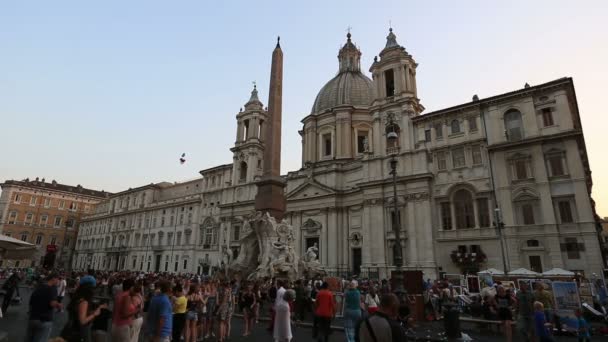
x=131, y=307
x=525, y=315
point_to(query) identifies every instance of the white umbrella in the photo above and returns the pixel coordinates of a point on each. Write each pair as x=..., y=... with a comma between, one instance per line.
x=492, y=271
x=524, y=272
x=11, y=248
x=558, y=272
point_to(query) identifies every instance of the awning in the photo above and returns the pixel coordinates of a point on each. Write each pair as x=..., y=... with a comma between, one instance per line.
x=492, y=271
x=523, y=272
x=11, y=248
x=558, y=272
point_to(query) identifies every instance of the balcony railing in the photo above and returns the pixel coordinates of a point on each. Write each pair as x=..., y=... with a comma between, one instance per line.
x=393, y=150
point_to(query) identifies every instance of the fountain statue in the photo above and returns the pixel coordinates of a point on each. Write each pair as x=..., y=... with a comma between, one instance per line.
x=268, y=250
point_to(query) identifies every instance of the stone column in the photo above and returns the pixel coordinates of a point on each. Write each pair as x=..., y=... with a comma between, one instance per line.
x=333, y=237
x=475, y=213
x=453, y=212
x=253, y=128
x=406, y=71
x=324, y=239
x=412, y=232
x=402, y=83
x=239, y=131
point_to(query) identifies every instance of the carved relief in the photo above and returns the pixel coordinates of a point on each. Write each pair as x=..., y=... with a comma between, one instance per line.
x=311, y=225
x=356, y=239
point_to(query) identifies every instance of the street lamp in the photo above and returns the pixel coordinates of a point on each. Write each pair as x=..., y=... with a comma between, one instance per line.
x=499, y=227
x=392, y=137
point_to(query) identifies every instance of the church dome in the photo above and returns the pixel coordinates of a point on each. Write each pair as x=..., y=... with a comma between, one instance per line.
x=350, y=86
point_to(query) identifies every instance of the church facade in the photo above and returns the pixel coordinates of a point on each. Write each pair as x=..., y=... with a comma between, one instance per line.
x=516, y=161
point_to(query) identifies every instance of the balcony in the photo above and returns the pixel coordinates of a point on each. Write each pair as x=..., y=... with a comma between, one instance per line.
x=158, y=248
x=393, y=150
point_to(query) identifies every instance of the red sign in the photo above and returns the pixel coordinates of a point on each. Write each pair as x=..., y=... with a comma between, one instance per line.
x=51, y=248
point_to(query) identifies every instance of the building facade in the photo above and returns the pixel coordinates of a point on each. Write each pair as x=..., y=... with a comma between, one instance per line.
x=47, y=215
x=516, y=161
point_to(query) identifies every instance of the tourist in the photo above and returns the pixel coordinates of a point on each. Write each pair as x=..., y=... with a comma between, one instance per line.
x=525, y=308
x=546, y=298
x=137, y=302
x=352, y=311
x=43, y=301
x=203, y=313
x=489, y=309
x=258, y=301
x=159, y=320
x=247, y=302
x=123, y=314
x=211, y=304
x=61, y=287
x=382, y=326
x=282, y=324
x=272, y=296
x=10, y=286
x=582, y=327
x=180, y=305
x=223, y=311
x=325, y=307
x=193, y=303
x=81, y=313
x=234, y=287
x=101, y=324
x=541, y=327
x=301, y=302
x=372, y=301
x=504, y=303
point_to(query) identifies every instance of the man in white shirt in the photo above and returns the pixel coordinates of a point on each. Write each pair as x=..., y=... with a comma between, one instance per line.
x=280, y=292
x=61, y=286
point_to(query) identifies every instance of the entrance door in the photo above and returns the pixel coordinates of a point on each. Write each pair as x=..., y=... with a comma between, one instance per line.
x=535, y=263
x=157, y=264
x=357, y=260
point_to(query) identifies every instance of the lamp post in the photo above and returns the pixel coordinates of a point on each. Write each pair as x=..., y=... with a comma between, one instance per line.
x=499, y=227
x=393, y=137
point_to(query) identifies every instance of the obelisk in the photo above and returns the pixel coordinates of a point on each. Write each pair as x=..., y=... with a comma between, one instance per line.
x=271, y=197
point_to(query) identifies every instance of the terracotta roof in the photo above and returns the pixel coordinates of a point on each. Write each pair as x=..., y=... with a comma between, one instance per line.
x=54, y=186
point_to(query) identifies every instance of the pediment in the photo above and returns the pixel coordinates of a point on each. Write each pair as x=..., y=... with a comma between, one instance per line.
x=310, y=189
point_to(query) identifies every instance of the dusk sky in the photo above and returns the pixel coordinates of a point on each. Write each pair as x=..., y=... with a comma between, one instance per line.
x=109, y=94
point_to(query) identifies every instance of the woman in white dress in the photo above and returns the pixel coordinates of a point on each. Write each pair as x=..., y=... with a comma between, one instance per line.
x=282, y=318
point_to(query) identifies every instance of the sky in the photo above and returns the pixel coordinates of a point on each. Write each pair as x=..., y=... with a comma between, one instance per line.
x=109, y=94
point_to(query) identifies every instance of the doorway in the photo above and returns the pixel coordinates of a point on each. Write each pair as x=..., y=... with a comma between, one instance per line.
x=536, y=264
x=357, y=261
x=157, y=264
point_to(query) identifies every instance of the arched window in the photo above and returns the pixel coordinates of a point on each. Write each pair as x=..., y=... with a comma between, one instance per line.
x=513, y=125
x=243, y=173
x=392, y=143
x=455, y=126
x=463, y=207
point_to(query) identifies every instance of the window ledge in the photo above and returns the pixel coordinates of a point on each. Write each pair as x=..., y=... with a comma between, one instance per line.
x=480, y=164
x=455, y=135
x=550, y=126
x=459, y=168
x=566, y=176
x=525, y=180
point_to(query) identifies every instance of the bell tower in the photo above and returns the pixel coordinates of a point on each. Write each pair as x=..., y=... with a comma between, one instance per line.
x=248, y=149
x=394, y=76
